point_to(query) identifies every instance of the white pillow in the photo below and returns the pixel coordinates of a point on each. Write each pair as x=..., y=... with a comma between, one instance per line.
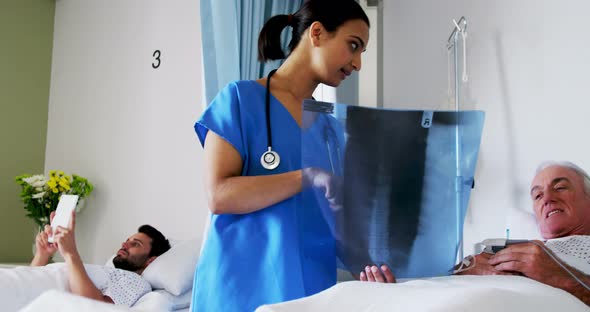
x=174, y=270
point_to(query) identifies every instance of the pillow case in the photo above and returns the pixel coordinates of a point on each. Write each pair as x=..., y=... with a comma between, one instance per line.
x=174, y=270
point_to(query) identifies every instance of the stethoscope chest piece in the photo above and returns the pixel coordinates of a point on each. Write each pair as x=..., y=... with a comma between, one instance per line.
x=270, y=159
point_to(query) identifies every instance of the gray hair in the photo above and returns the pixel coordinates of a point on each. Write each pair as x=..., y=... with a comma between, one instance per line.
x=570, y=165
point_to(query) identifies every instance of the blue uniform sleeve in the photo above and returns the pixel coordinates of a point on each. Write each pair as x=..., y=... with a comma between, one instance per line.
x=223, y=117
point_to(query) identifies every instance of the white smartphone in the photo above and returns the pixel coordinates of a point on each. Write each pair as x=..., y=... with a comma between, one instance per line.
x=63, y=213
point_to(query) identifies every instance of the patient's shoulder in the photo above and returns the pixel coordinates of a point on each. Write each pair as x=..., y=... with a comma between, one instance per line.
x=574, y=250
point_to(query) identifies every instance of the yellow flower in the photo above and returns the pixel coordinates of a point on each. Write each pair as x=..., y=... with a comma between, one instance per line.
x=52, y=182
x=64, y=183
x=43, y=191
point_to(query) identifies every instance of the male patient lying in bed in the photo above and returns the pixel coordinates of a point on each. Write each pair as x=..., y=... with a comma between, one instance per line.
x=560, y=192
x=123, y=283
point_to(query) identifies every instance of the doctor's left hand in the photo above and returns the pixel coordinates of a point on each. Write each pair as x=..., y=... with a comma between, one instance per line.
x=331, y=184
x=381, y=274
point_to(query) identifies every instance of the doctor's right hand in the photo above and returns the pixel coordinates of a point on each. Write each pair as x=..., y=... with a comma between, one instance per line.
x=329, y=183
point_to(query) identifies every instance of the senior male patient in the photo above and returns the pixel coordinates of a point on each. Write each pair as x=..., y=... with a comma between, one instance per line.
x=122, y=284
x=560, y=192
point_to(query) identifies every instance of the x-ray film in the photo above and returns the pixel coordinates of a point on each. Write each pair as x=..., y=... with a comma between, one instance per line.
x=393, y=185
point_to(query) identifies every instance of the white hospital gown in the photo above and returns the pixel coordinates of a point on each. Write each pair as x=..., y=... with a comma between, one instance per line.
x=123, y=287
x=573, y=250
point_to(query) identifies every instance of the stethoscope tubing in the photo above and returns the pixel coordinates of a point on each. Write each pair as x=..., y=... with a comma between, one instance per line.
x=271, y=159
x=267, y=104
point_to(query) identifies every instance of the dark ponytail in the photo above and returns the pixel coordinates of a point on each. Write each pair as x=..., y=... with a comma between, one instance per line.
x=269, y=40
x=331, y=13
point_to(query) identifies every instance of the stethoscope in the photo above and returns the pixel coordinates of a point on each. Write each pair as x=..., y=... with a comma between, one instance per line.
x=270, y=159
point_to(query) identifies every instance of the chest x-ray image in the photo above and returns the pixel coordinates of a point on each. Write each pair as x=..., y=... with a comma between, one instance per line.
x=400, y=186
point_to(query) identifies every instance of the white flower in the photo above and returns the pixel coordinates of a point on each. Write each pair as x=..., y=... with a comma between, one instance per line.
x=39, y=184
x=36, y=180
x=38, y=195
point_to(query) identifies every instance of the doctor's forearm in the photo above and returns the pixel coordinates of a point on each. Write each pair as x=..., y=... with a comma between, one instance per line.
x=245, y=194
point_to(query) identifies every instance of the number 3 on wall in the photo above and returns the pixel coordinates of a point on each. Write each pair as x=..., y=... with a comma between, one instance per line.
x=156, y=56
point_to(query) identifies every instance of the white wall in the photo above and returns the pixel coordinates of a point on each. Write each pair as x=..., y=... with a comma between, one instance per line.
x=367, y=81
x=125, y=126
x=528, y=68
x=129, y=128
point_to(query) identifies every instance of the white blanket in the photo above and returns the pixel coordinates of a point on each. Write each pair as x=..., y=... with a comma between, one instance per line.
x=57, y=300
x=43, y=288
x=21, y=285
x=443, y=294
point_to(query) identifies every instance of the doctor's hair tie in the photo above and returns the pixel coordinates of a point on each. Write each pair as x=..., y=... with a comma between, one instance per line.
x=290, y=20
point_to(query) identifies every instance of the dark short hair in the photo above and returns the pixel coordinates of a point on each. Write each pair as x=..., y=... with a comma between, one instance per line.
x=331, y=13
x=159, y=243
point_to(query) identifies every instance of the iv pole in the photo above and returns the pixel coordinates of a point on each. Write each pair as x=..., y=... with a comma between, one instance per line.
x=452, y=44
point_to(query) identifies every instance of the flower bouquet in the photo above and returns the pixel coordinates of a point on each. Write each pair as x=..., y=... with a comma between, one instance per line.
x=40, y=193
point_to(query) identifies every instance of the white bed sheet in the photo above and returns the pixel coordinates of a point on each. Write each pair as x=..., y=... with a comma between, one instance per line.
x=161, y=300
x=443, y=294
x=59, y=300
x=23, y=286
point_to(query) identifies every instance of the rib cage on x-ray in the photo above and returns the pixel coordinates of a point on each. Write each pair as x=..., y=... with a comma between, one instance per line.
x=400, y=186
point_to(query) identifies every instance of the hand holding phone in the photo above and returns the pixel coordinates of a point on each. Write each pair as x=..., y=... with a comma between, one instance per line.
x=494, y=245
x=63, y=213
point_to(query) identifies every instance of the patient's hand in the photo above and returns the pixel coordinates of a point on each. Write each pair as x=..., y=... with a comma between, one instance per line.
x=66, y=239
x=43, y=248
x=483, y=267
x=374, y=274
x=530, y=260
x=42, y=244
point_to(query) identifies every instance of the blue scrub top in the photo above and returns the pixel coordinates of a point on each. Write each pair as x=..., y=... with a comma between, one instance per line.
x=283, y=252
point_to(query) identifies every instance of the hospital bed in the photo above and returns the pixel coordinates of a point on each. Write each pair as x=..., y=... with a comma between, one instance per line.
x=441, y=294
x=446, y=293
x=456, y=292
x=170, y=275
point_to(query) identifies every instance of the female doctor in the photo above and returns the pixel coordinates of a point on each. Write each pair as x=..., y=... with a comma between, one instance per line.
x=266, y=243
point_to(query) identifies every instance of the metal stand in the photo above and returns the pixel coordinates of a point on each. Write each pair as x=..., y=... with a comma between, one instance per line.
x=452, y=42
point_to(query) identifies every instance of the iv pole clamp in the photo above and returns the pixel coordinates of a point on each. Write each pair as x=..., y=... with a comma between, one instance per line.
x=462, y=22
x=459, y=29
x=452, y=44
